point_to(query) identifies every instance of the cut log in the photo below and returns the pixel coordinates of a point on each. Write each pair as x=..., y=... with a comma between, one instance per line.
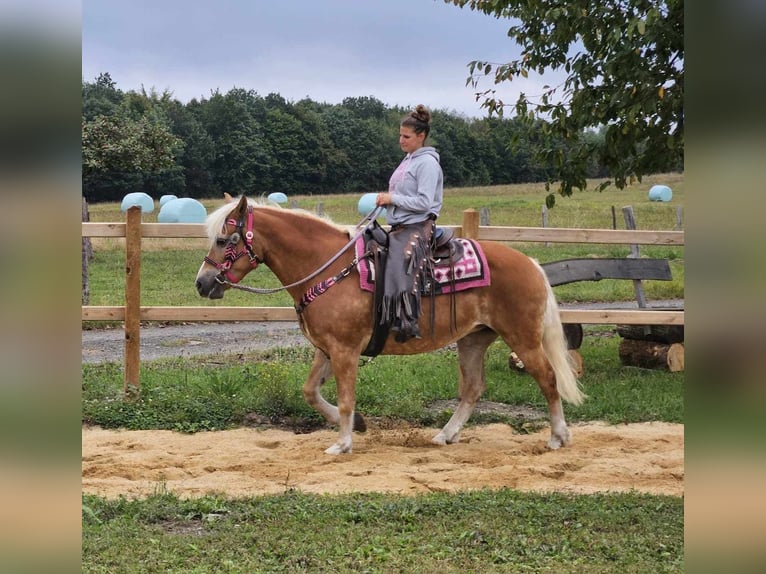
x=658, y=333
x=573, y=334
x=652, y=355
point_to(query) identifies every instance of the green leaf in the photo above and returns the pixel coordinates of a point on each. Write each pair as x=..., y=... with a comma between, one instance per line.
x=550, y=200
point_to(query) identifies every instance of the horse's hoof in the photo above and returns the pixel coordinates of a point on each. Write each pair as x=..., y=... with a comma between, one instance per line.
x=554, y=444
x=359, y=423
x=557, y=442
x=442, y=439
x=338, y=449
x=439, y=439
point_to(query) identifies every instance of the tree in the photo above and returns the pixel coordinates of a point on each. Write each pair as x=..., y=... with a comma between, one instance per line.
x=243, y=162
x=624, y=65
x=198, y=152
x=100, y=98
x=118, y=153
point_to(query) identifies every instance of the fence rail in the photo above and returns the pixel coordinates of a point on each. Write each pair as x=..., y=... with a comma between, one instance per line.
x=132, y=313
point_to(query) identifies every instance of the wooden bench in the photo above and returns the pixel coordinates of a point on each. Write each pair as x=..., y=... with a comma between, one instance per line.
x=647, y=346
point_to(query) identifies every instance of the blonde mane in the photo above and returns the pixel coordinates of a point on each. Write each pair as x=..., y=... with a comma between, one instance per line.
x=216, y=219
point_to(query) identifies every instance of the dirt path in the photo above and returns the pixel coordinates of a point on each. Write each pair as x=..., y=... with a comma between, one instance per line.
x=646, y=457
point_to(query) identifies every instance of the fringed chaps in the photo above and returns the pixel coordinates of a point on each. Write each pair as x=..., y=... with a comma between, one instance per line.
x=407, y=270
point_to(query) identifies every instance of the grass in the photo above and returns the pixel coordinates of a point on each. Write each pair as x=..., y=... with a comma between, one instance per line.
x=480, y=531
x=214, y=393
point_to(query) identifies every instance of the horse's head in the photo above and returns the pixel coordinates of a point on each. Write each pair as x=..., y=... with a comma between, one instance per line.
x=232, y=254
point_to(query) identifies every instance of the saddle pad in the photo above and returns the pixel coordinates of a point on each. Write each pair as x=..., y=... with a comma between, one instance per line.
x=470, y=271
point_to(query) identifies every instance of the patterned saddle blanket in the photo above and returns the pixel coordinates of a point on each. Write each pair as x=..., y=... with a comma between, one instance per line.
x=468, y=272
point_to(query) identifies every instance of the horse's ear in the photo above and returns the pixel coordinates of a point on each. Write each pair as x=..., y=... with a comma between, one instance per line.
x=242, y=205
x=228, y=198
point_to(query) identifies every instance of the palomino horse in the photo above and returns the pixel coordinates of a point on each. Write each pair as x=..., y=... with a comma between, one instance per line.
x=518, y=306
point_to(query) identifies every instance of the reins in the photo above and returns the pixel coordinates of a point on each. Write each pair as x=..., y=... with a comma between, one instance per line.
x=360, y=227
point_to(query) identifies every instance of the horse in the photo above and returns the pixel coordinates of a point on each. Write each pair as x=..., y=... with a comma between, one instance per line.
x=518, y=305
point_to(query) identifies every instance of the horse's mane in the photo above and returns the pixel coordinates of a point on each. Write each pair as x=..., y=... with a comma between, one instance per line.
x=216, y=219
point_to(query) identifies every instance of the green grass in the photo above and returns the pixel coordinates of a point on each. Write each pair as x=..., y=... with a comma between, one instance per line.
x=480, y=531
x=195, y=394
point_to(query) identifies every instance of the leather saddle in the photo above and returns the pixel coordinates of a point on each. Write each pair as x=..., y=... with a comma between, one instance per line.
x=444, y=245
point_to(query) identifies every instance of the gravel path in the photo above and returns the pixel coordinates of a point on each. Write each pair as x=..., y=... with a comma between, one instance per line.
x=158, y=341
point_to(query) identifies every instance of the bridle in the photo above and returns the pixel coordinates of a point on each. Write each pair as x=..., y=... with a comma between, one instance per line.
x=231, y=254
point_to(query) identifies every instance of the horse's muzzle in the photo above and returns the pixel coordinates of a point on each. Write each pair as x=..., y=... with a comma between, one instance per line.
x=207, y=286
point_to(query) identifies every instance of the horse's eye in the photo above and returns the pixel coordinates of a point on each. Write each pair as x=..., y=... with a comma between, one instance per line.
x=234, y=239
x=220, y=242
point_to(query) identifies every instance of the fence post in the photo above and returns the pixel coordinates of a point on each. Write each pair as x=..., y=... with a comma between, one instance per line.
x=470, y=224
x=630, y=223
x=132, y=300
x=484, y=216
x=87, y=255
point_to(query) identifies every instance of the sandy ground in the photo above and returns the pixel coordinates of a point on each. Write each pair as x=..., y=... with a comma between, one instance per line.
x=646, y=457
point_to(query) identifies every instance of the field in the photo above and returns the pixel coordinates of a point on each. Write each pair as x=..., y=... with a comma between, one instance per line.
x=526, y=509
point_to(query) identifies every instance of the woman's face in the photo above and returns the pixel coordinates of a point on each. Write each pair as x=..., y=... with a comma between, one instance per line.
x=410, y=141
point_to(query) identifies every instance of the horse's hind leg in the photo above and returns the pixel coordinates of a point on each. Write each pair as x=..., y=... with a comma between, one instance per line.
x=537, y=365
x=321, y=372
x=471, y=350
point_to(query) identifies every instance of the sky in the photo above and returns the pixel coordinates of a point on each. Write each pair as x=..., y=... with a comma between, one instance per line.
x=402, y=52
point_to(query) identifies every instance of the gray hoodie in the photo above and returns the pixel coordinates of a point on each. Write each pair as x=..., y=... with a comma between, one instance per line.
x=416, y=187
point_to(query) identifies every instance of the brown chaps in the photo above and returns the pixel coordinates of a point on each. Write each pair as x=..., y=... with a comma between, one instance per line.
x=408, y=269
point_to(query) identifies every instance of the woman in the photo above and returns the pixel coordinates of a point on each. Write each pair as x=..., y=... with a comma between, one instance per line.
x=413, y=202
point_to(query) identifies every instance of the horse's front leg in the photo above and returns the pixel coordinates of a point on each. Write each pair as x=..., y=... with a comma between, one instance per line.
x=345, y=367
x=321, y=372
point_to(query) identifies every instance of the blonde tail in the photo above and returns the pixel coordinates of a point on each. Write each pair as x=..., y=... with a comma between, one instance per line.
x=555, y=348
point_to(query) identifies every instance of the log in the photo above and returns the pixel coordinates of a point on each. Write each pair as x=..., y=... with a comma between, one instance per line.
x=573, y=334
x=668, y=334
x=652, y=355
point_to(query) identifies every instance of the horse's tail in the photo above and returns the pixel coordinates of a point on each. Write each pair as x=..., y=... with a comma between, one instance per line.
x=555, y=347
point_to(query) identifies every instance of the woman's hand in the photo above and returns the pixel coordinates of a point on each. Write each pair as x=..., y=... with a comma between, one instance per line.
x=382, y=199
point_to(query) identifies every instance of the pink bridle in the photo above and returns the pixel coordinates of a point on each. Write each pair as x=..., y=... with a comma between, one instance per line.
x=231, y=254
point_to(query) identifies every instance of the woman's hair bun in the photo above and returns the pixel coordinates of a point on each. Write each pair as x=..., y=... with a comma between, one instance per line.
x=421, y=114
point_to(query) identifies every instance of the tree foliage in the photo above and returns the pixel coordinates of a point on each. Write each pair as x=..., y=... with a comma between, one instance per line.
x=624, y=66
x=242, y=142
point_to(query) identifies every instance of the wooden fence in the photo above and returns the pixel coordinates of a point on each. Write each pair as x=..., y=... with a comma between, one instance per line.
x=132, y=313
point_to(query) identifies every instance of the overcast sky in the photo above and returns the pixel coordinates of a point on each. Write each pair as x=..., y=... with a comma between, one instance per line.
x=402, y=52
